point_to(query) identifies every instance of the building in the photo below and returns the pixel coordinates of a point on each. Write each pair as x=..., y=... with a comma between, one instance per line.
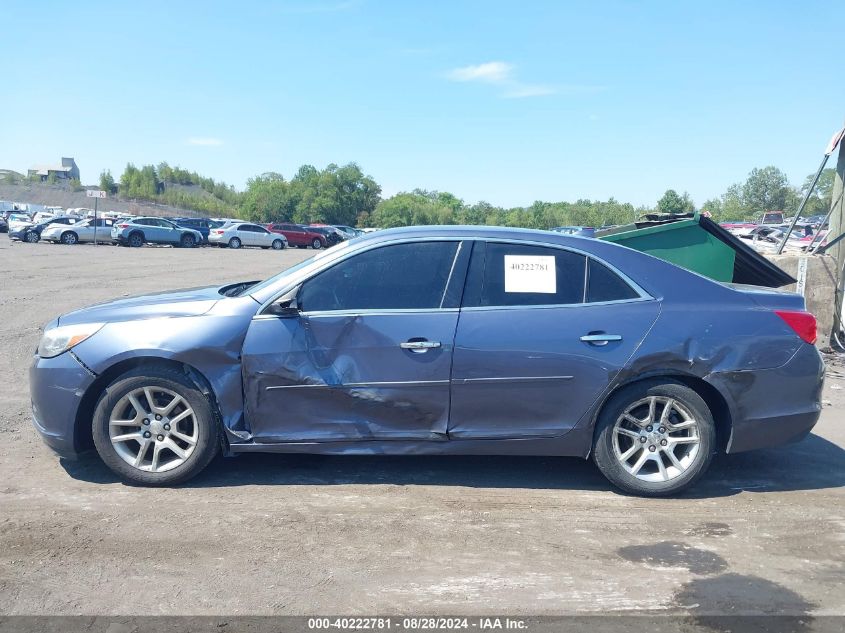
x=68, y=170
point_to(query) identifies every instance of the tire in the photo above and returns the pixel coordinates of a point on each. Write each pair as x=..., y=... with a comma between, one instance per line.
x=316, y=244
x=278, y=245
x=70, y=238
x=31, y=237
x=135, y=240
x=614, y=438
x=234, y=243
x=187, y=241
x=160, y=465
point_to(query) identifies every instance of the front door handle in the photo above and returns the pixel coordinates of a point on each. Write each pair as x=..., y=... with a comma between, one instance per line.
x=600, y=338
x=419, y=346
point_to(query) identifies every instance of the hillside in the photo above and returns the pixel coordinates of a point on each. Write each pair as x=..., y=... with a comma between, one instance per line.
x=63, y=195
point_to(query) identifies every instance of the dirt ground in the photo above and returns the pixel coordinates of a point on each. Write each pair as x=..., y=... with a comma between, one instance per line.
x=274, y=534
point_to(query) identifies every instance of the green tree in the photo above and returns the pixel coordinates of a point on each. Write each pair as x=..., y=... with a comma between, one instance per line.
x=267, y=199
x=819, y=201
x=671, y=202
x=107, y=183
x=767, y=189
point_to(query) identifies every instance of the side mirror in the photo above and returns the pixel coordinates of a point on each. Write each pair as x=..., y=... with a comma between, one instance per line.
x=285, y=306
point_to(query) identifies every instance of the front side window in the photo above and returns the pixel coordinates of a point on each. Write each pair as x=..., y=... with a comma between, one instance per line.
x=409, y=276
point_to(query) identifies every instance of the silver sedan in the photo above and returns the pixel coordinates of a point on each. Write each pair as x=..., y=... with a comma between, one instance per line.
x=85, y=231
x=238, y=234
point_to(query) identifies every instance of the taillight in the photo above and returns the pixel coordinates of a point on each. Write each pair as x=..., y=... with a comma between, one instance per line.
x=802, y=322
x=217, y=232
x=122, y=226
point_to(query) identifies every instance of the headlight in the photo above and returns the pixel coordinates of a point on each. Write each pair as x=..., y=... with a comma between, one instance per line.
x=61, y=339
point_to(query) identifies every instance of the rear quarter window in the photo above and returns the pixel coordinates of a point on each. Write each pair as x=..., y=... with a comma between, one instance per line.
x=605, y=285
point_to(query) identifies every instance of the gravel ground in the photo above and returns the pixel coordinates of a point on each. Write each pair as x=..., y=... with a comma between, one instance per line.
x=274, y=534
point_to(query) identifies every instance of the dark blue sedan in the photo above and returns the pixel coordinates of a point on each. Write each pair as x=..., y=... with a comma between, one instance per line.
x=438, y=340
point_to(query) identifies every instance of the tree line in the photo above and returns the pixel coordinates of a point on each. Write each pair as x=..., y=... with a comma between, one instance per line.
x=345, y=195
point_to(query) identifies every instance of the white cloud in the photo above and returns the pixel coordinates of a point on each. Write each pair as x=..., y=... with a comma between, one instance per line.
x=490, y=72
x=205, y=141
x=503, y=75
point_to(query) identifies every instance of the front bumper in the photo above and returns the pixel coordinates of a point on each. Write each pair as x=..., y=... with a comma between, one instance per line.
x=774, y=406
x=57, y=386
x=17, y=234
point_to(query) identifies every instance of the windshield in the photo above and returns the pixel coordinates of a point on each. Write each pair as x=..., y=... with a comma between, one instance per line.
x=295, y=268
x=19, y=217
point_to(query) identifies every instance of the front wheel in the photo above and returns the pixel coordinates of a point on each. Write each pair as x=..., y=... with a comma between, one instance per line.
x=31, y=237
x=187, y=241
x=278, y=245
x=234, y=243
x=70, y=238
x=153, y=426
x=654, y=438
x=316, y=244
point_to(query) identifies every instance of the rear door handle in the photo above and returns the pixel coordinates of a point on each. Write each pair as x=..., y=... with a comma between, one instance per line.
x=600, y=338
x=419, y=347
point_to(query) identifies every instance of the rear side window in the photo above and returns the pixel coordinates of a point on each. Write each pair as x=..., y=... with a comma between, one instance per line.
x=398, y=277
x=522, y=275
x=605, y=285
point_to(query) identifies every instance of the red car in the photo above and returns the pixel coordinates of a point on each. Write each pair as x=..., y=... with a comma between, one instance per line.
x=298, y=235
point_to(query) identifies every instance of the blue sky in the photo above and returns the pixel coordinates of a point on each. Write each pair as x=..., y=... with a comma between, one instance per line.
x=504, y=102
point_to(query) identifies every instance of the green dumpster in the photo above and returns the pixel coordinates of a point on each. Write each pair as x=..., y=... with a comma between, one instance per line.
x=698, y=244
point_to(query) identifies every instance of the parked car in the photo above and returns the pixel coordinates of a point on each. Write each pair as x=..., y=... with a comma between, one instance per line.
x=138, y=231
x=348, y=231
x=426, y=340
x=332, y=235
x=32, y=232
x=203, y=225
x=583, y=231
x=299, y=236
x=90, y=230
x=816, y=221
x=16, y=221
x=4, y=226
x=238, y=234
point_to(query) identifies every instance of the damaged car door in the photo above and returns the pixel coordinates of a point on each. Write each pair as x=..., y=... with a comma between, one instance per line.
x=362, y=350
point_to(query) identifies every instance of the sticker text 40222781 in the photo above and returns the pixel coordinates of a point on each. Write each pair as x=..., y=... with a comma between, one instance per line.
x=530, y=273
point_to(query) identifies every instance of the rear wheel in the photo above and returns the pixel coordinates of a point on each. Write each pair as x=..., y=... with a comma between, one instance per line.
x=153, y=426
x=136, y=240
x=278, y=245
x=234, y=243
x=31, y=236
x=70, y=238
x=316, y=243
x=654, y=438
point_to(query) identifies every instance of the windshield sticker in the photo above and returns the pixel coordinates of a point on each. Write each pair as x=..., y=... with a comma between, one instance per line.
x=530, y=273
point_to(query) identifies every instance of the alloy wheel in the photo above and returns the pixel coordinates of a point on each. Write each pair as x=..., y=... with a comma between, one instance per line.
x=656, y=439
x=32, y=237
x=316, y=244
x=234, y=243
x=69, y=238
x=153, y=429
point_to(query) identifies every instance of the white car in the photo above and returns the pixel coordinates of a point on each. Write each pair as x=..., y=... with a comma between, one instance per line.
x=84, y=231
x=237, y=234
x=18, y=221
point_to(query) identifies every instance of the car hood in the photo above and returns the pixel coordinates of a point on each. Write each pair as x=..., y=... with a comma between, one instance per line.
x=181, y=303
